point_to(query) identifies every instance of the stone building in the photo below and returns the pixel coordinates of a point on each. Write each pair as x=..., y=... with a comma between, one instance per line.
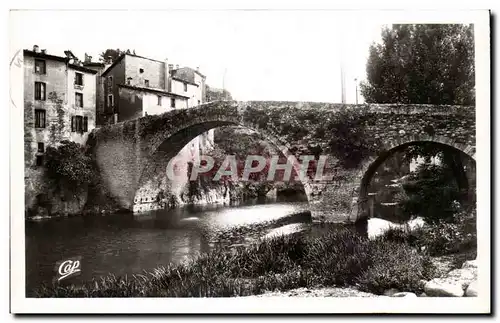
x=135, y=87
x=59, y=104
x=99, y=67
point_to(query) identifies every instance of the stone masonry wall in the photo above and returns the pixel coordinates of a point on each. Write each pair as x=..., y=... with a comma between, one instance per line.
x=59, y=106
x=142, y=144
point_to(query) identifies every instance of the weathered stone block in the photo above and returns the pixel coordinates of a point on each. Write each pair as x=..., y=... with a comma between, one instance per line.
x=470, y=264
x=472, y=289
x=404, y=294
x=438, y=287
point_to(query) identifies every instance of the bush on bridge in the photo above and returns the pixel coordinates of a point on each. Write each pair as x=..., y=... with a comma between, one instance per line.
x=347, y=138
x=342, y=130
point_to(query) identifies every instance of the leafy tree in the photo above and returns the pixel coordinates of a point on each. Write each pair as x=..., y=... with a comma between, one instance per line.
x=69, y=166
x=214, y=94
x=432, y=193
x=422, y=64
x=113, y=54
x=426, y=64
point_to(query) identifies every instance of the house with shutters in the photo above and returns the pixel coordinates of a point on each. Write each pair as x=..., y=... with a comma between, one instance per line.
x=59, y=104
x=137, y=86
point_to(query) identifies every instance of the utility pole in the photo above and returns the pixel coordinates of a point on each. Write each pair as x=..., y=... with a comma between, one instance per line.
x=342, y=81
x=224, y=79
x=356, y=81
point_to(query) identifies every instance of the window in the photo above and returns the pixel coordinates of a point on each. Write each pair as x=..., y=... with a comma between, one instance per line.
x=141, y=70
x=110, y=82
x=110, y=100
x=199, y=102
x=79, y=79
x=41, y=147
x=79, y=100
x=40, y=91
x=159, y=100
x=79, y=124
x=39, y=160
x=40, y=66
x=185, y=87
x=172, y=102
x=128, y=80
x=146, y=82
x=39, y=118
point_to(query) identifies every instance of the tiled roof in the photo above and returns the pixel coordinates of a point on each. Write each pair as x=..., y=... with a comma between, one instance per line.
x=154, y=90
x=60, y=59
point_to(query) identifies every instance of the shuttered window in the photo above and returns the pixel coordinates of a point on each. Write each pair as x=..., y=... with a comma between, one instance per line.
x=40, y=91
x=110, y=82
x=79, y=79
x=79, y=100
x=79, y=124
x=40, y=66
x=40, y=118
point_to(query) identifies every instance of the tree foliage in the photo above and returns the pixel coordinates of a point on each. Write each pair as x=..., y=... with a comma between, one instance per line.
x=113, y=54
x=68, y=165
x=432, y=193
x=422, y=64
x=348, y=140
x=214, y=94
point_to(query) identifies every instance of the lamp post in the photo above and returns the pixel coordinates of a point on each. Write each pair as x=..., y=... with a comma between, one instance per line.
x=224, y=79
x=356, y=81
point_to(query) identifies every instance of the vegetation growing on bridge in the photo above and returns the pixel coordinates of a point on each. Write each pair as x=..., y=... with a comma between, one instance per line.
x=339, y=132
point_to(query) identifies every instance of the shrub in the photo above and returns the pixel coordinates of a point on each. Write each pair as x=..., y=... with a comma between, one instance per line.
x=446, y=237
x=432, y=193
x=395, y=265
x=338, y=257
x=439, y=238
x=69, y=165
x=349, y=142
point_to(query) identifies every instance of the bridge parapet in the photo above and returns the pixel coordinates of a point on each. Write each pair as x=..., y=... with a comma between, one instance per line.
x=129, y=152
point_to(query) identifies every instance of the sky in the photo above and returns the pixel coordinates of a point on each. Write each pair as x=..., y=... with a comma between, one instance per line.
x=256, y=55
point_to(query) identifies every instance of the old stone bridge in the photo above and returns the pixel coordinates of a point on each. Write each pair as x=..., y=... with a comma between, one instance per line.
x=128, y=153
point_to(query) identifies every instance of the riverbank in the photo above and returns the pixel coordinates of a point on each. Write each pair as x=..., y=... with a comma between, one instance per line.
x=336, y=258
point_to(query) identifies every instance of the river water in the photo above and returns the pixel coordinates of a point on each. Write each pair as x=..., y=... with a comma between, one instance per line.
x=125, y=244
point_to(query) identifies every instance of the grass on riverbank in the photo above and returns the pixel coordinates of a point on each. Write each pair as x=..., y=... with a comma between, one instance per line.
x=339, y=258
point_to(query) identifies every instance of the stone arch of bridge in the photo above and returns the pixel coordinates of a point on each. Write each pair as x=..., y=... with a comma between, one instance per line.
x=360, y=212
x=166, y=145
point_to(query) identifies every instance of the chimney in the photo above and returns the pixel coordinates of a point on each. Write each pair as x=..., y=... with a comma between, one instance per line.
x=177, y=66
x=167, y=75
x=44, y=51
x=36, y=48
x=110, y=59
x=88, y=58
x=197, y=68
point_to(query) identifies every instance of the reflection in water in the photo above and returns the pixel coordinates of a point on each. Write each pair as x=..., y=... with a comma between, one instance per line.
x=129, y=244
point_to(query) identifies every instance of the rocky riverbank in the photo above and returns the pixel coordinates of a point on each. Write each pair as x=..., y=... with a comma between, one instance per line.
x=451, y=282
